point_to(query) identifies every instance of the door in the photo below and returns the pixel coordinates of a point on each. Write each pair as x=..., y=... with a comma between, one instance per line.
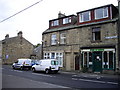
x=77, y=63
x=97, y=61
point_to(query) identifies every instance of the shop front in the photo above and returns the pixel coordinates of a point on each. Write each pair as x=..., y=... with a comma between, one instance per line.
x=98, y=59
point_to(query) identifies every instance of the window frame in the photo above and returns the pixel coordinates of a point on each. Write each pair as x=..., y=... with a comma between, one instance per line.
x=53, y=39
x=94, y=32
x=67, y=20
x=63, y=38
x=81, y=16
x=103, y=13
x=55, y=23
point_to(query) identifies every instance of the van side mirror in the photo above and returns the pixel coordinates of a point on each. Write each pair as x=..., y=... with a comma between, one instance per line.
x=37, y=64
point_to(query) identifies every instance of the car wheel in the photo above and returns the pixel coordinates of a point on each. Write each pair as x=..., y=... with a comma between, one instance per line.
x=21, y=68
x=33, y=69
x=47, y=71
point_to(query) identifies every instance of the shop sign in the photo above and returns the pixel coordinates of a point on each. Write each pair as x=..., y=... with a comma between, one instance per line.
x=111, y=37
x=96, y=49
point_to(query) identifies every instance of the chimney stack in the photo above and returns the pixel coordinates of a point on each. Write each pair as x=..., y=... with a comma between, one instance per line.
x=20, y=33
x=7, y=36
x=60, y=15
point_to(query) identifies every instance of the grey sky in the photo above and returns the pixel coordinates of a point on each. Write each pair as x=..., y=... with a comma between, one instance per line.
x=35, y=20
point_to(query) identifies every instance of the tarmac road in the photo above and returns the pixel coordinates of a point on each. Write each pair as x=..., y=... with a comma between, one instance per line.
x=27, y=79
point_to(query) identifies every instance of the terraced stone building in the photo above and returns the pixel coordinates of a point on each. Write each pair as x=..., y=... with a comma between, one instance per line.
x=87, y=40
x=15, y=47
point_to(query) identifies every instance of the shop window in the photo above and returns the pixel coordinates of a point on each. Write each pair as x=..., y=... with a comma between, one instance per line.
x=90, y=57
x=96, y=34
x=111, y=59
x=85, y=59
x=105, y=63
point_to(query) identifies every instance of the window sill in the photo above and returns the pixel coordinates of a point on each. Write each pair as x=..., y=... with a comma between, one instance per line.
x=96, y=41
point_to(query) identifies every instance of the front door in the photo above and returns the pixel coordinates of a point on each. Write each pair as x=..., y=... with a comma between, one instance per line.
x=77, y=63
x=97, y=61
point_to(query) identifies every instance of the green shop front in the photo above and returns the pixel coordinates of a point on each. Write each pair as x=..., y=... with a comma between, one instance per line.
x=98, y=59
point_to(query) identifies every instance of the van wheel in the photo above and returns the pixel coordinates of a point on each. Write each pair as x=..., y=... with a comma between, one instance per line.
x=56, y=72
x=13, y=67
x=47, y=71
x=33, y=69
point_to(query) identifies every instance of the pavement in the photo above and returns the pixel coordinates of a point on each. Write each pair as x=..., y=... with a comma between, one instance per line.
x=93, y=75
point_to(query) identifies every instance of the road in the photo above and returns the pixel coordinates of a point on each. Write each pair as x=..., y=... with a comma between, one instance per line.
x=28, y=79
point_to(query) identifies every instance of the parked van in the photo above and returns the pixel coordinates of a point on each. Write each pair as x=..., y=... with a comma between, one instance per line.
x=47, y=65
x=22, y=63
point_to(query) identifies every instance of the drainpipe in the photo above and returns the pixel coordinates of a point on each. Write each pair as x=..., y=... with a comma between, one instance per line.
x=119, y=35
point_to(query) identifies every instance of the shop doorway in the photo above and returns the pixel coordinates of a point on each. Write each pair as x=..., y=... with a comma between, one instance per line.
x=97, y=61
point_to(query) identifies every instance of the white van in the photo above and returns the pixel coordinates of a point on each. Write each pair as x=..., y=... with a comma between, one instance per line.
x=22, y=63
x=47, y=65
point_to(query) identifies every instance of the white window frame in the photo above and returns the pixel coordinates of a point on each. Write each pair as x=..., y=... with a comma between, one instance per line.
x=103, y=13
x=63, y=38
x=58, y=56
x=67, y=20
x=81, y=16
x=55, y=23
x=53, y=39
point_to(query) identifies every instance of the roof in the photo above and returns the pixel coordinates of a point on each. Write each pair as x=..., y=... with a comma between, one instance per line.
x=96, y=8
x=13, y=38
x=77, y=26
x=62, y=17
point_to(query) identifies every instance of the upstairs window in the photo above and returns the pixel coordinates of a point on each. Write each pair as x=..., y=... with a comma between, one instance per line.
x=67, y=20
x=53, y=39
x=85, y=16
x=63, y=38
x=96, y=34
x=55, y=23
x=101, y=13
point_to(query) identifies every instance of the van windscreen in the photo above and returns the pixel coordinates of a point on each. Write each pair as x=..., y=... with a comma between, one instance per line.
x=54, y=62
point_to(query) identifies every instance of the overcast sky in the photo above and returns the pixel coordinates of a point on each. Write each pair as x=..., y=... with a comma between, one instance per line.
x=33, y=21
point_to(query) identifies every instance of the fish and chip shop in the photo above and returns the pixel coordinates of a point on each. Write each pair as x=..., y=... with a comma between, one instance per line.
x=99, y=59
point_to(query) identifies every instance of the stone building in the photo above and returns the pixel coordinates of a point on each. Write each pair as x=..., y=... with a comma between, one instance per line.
x=16, y=47
x=37, y=53
x=86, y=40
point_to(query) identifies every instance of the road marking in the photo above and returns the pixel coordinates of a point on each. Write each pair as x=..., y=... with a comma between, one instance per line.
x=16, y=70
x=43, y=75
x=95, y=81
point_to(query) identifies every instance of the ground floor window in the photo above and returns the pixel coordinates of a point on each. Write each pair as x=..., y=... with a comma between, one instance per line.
x=54, y=55
x=98, y=58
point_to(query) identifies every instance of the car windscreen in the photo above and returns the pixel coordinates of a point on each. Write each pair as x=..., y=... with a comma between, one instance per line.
x=54, y=62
